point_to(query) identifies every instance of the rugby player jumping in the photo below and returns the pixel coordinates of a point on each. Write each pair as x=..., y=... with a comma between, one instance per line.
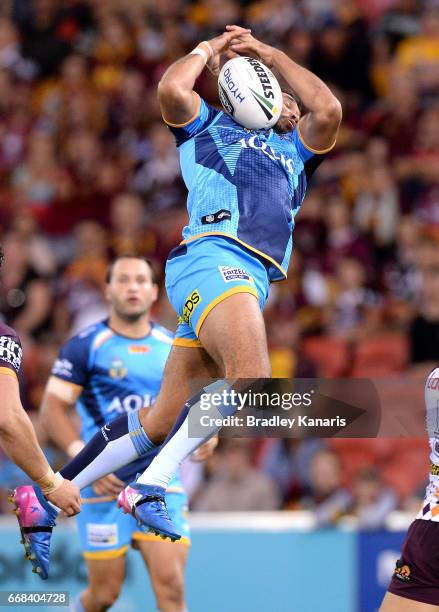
x=245, y=188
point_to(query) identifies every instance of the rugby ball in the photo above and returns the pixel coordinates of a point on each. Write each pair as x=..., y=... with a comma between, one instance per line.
x=250, y=93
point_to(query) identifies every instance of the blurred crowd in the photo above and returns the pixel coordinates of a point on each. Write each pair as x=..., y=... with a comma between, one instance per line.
x=88, y=170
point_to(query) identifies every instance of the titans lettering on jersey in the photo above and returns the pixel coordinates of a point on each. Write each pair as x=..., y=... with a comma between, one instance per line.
x=116, y=375
x=10, y=350
x=245, y=184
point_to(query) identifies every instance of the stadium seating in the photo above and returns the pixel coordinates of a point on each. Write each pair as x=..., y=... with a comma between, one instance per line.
x=378, y=356
x=330, y=355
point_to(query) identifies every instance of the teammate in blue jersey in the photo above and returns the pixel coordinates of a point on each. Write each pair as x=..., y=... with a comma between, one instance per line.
x=245, y=186
x=109, y=369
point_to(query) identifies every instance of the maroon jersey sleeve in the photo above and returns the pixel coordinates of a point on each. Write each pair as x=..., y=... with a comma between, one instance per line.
x=10, y=351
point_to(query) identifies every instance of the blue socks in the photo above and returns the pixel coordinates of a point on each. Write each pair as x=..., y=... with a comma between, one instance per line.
x=141, y=442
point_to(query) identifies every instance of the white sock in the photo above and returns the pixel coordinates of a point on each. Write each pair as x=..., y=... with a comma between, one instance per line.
x=103, y=464
x=115, y=455
x=113, y=446
x=166, y=463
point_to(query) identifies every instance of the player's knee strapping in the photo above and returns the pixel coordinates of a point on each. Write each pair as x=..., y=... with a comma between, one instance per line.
x=112, y=447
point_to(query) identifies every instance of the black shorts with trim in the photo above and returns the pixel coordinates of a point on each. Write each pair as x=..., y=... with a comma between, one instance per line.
x=416, y=575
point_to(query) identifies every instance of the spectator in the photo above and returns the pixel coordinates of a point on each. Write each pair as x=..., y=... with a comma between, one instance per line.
x=372, y=501
x=36, y=181
x=401, y=275
x=237, y=485
x=419, y=55
x=25, y=294
x=341, y=55
x=310, y=235
x=343, y=240
x=159, y=177
x=40, y=253
x=10, y=53
x=377, y=208
x=130, y=232
x=81, y=288
x=327, y=499
x=355, y=309
x=113, y=47
x=44, y=40
x=127, y=112
x=287, y=462
x=424, y=330
x=73, y=103
x=395, y=117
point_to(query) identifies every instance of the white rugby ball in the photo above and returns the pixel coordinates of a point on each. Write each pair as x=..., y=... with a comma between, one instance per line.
x=250, y=93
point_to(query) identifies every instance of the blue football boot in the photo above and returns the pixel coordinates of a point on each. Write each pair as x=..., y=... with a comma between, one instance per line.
x=36, y=518
x=147, y=504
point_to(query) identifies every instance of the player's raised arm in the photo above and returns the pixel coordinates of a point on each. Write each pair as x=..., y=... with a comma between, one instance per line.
x=178, y=102
x=318, y=127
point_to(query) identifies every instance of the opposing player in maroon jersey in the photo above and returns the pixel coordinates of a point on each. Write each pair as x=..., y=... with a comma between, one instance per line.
x=414, y=586
x=18, y=440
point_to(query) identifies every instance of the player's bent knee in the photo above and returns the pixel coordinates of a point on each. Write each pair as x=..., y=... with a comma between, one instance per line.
x=170, y=588
x=103, y=601
x=105, y=596
x=163, y=421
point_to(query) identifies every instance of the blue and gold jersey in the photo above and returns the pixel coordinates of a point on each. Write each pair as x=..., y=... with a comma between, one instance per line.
x=116, y=374
x=244, y=184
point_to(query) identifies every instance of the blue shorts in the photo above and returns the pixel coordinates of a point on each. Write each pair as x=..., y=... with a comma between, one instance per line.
x=205, y=271
x=106, y=532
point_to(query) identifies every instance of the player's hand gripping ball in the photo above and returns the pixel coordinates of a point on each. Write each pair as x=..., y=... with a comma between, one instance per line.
x=250, y=93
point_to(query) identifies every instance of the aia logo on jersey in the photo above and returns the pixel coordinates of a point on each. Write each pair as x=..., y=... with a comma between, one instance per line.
x=117, y=369
x=138, y=349
x=255, y=143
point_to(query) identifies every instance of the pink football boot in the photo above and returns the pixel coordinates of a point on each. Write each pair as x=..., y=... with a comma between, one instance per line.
x=36, y=518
